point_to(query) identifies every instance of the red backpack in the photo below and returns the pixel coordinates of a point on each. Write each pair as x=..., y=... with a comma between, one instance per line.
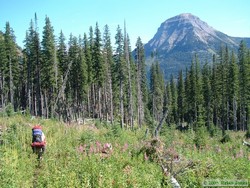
x=37, y=136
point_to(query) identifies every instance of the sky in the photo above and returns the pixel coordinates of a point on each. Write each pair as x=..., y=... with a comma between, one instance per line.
x=143, y=17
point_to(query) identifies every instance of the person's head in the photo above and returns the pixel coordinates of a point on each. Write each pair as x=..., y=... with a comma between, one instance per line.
x=37, y=127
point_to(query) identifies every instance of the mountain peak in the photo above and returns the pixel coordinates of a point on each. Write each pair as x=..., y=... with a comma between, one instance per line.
x=179, y=37
x=183, y=17
x=186, y=16
x=177, y=29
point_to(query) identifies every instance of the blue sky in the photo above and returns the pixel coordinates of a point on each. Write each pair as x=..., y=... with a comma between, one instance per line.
x=143, y=17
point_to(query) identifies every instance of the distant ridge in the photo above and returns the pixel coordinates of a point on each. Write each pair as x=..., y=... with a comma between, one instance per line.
x=180, y=37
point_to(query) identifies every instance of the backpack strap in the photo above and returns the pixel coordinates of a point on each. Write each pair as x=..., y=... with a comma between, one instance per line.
x=36, y=131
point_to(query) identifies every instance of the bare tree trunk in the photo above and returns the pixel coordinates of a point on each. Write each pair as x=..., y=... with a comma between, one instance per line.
x=2, y=91
x=35, y=107
x=56, y=69
x=42, y=105
x=111, y=98
x=105, y=105
x=46, y=104
x=99, y=103
x=208, y=116
x=32, y=98
x=93, y=101
x=121, y=104
x=244, y=119
x=158, y=128
x=139, y=93
x=88, y=103
x=235, y=113
x=61, y=91
x=38, y=96
x=227, y=116
x=11, y=83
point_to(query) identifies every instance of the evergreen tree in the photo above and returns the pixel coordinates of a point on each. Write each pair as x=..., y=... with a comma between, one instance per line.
x=88, y=58
x=233, y=81
x=192, y=111
x=188, y=97
x=244, y=83
x=64, y=67
x=109, y=63
x=130, y=92
x=168, y=103
x=142, y=95
x=97, y=58
x=207, y=95
x=157, y=88
x=198, y=88
x=99, y=68
x=120, y=69
x=12, y=66
x=48, y=67
x=3, y=65
x=223, y=79
x=200, y=131
x=62, y=56
x=77, y=78
x=216, y=94
x=181, y=97
x=174, y=104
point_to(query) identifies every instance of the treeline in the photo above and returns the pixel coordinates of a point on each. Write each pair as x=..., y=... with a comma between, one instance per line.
x=88, y=77
x=216, y=94
x=85, y=77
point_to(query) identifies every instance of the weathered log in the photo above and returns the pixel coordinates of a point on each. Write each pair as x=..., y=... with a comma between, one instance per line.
x=173, y=181
x=246, y=143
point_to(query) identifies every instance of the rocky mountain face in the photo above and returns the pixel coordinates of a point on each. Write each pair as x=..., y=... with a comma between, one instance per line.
x=180, y=37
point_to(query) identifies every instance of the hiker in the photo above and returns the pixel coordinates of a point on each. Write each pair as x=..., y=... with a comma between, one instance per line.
x=38, y=139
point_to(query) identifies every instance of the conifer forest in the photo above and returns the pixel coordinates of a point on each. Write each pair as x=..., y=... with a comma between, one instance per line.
x=88, y=77
x=112, y=119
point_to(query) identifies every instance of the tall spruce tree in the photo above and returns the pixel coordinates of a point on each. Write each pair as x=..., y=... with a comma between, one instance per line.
x=142, y=94
x=120, y=68
x=62, y=56
x=130, y=92
x=99, y=69
x=181, y=97
x=12, y=68
x=216, y=94
x=63, y=73
x=174, y=104
x=109, y=63
x=233, y=80
x=48, y=67
x=244, y=83
x=3, y=65
x=88, y=59
x=207, y=95
x=157, y=90
x=77, y=78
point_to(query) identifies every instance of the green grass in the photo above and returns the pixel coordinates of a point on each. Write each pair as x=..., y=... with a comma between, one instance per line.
x=64, y=163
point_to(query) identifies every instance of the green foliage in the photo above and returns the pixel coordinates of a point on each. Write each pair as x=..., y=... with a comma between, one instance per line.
x=113, y=85
x=9, y=110
x=66, y=163
x=200, y=138
x=214, y=131
x=225, y=138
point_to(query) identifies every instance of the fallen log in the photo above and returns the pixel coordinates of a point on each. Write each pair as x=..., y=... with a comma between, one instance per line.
x=173, y=181
x=246, y=143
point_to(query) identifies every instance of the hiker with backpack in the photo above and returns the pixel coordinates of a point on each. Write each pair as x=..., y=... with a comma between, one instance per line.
x=38, y=140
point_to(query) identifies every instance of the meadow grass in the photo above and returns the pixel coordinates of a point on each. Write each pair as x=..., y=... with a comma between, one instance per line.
x=73, y=156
